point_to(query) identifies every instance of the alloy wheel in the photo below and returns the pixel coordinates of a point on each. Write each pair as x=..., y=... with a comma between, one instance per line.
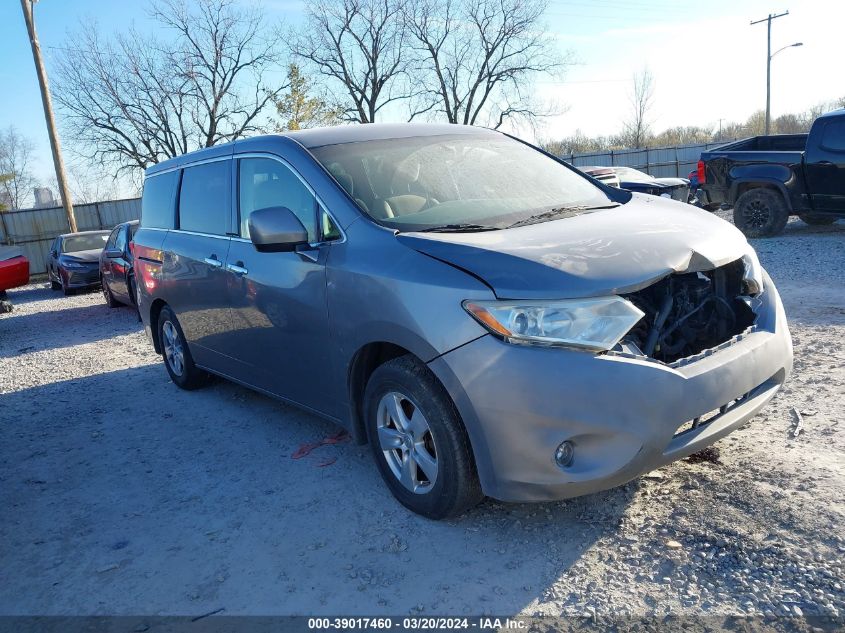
x=173, y=352
x=756, y=214
x=407, y=443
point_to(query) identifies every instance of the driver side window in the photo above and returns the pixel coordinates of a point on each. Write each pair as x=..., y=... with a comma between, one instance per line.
x=112, y=239
x=263, y=183
x=120, y=241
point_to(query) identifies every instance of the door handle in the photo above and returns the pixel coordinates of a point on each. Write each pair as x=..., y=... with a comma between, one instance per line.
x=213, y=261
x=237, y=269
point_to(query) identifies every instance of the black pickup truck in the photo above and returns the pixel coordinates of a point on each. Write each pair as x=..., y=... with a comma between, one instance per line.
x=768, y=178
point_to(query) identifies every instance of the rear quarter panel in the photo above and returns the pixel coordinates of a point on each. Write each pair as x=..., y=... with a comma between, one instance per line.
x=148, y=255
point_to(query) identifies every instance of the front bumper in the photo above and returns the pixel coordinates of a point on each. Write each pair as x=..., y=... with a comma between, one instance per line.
x=80, y=277
x=622, y=414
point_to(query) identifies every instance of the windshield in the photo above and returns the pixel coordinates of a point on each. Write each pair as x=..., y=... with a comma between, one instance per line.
x=457, y=182
x=77, y=243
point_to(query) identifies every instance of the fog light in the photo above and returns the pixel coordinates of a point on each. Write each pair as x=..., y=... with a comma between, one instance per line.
x=564, y=454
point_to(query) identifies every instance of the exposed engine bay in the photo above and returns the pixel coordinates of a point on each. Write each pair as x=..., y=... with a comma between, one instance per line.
x=687, y=313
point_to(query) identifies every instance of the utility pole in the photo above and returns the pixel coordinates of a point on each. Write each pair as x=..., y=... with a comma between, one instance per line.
x=768, y=22
x=47, y=102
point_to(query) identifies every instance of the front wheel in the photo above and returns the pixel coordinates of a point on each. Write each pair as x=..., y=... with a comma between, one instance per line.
x=818, y=219
x=761, y=213
x=65, y=290
x=419, y=443
x=107, y=295
x=177, y=357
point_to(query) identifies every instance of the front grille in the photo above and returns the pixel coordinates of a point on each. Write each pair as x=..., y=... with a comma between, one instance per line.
x=710, y=416
x=687, y=314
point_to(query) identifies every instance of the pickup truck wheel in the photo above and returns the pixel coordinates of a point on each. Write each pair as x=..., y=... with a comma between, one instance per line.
x=760, y=213
x=418, y=440
x=817, y=219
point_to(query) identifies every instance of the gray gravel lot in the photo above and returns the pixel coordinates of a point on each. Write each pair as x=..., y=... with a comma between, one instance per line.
x=121, y=494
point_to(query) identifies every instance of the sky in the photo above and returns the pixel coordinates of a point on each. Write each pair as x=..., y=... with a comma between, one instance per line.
x=707, y=61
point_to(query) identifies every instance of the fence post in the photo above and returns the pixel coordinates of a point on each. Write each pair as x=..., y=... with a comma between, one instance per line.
x=612, y=163
x=647, y=162
x=99, y=217
x=6, y=237
x=677, y=164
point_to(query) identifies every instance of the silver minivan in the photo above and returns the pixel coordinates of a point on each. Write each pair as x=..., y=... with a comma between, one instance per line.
x=489, y=319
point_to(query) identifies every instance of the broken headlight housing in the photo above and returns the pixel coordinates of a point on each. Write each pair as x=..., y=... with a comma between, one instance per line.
x=752, y=274
x=596, y=324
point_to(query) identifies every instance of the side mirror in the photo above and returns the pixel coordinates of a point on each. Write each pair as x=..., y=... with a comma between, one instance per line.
x=114, y=253
x=53, y=253
x=276, y=230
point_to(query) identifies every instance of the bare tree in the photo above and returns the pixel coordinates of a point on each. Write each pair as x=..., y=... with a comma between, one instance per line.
x=17, y=180
x=357, y=46
x=478, y=60
x=138, y=100
x=638, y=129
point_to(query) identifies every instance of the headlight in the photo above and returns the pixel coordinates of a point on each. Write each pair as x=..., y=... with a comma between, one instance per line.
x=752, y=275
x=73, y=265
x=595, y=323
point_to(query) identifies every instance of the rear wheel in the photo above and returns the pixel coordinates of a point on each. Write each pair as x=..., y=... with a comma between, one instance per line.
x=760, y=213
x=419, y=443
x=177, y=357
x=818, y=219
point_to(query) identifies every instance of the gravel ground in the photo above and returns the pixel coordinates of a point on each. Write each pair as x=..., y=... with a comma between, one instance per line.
x=121, y=494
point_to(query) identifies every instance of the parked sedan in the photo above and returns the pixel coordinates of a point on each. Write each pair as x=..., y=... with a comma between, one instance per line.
x=14, y=268
x=117, y=271
x=489, y=319
x=74, y=260
x=634, y=180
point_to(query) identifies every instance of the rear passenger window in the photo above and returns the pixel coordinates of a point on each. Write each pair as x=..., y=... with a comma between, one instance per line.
x=158, y=201
x=833, y=137
x=204, y=198
x=264, y=182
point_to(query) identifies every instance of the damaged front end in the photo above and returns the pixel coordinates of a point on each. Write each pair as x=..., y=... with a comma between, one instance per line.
x=689, y=313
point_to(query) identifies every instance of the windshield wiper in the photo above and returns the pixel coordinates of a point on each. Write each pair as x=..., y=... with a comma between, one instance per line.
x=557, y=213
x=458, y=228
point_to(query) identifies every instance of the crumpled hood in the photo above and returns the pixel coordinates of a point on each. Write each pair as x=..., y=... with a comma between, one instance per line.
x=605, y=252
x=83, y=256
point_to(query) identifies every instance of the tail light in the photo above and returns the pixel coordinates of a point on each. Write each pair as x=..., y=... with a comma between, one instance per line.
x=702, y=174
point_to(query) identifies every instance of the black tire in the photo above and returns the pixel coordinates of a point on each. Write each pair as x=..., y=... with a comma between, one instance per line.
x=133, y=290
x=456, y=487
x=55, y=285
x=761, y=213
x=818, y=219
x=191, y=376
x=107, y=295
